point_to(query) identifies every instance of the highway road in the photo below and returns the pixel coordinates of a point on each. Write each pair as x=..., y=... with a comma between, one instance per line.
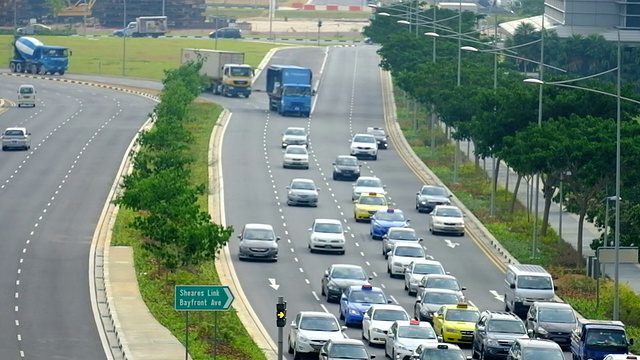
x=349, y=99
x=50, y=201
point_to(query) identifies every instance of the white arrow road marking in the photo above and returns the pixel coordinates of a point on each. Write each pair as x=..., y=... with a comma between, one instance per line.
x=450, y=244
x=496, y=295
x=272, y=283
x=230, y=297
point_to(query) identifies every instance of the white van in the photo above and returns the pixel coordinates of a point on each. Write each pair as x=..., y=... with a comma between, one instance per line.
x=26, y=96
x=526, y=284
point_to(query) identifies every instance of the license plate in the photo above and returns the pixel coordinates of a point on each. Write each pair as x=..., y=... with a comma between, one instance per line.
x=466, y=338
x=328, y=246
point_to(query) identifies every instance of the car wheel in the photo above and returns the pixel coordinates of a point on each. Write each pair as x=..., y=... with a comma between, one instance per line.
x=322, y=292
x=296, y=355
x=362, y=335
x=474, y=352
x=506, y=304
x=405, y=286
x=335, y=177
x=290, y=347
x=482, y=355
x=342, y=252
x=375, y=157
x=342, y=316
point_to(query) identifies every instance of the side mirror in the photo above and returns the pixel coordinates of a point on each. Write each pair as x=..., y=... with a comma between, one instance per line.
x=277, y=238
x=343, y=328
x=326, y=273
x=288, y=187
x=370, y=277
x=469, y=357
x=555, y=288
x=512, y=286
x=372, y=357
x=463, y=288
x=314, y=92
x=389, y=301
x=384, y=186
x=318, y=189
x=29, y=134
x=440, y=339
x=408, y=220
x=388, y=253
x=385, y=236
x=355, y=201
x=447, y=272
x=240, y=237
x=530, y=333
x=531, y=319
x=333, y=163
x=418, y=298
x=293, y=325
x=420, y=239
x=418, y=193
x=310, y=229
x=631, y=341
x=349, y=140
x=359, y=165
x=450, y=195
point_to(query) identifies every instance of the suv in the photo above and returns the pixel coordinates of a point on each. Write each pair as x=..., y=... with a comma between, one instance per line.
x=364, y=146
x=380, y=135
x=258, y=241
x=551, y=320
x=495, y=332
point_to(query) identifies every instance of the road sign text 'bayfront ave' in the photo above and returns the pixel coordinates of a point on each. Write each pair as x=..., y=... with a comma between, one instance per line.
x=203, y=298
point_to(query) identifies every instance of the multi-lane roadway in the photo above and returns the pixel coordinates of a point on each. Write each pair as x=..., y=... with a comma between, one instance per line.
x=50, y=200
x=349, y=99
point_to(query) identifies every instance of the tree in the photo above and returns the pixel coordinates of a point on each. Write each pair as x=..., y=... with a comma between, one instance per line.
x=56, y=6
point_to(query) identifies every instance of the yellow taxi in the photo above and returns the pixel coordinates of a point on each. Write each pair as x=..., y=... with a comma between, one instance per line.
x=367, y=204
x=456, y=323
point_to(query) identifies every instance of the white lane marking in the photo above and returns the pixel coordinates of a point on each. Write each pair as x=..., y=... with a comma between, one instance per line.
x=450, y=244
x=496, y=295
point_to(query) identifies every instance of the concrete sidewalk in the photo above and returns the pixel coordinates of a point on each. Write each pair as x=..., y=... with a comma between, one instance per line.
x=628, y=273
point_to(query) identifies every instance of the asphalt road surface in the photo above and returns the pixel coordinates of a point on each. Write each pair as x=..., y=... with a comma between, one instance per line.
x=50, y=200
x=349, y=99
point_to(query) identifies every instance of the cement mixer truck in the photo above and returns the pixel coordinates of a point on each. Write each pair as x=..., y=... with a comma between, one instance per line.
x=30, y=55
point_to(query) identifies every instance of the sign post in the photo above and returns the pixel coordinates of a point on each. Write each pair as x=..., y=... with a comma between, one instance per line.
x=202, y=298
x=281, y=320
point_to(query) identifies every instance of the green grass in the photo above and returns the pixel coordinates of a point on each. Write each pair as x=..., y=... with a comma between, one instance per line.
x=145, y=57
x=157, y=287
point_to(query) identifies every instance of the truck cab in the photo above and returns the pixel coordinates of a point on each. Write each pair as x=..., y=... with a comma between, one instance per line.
x=128, y=31
x=236, y=80
x=595, y=339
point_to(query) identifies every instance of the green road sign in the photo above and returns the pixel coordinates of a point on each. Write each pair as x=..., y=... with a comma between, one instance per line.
x=203, y=298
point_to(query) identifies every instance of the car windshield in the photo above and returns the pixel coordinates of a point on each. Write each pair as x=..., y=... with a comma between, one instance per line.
x=14, y=133
x=434, y=191
x=57, y=53
x=258, y=234
x=328, y=228
x=390, y=216
x=606, y=338
x=349, y=273
x=369, y=183
x=295, y=132
x=506, y=326
x=542, y=354
x=302, y=185
x=26, y=90
x=440, y=298
x=376, y=132
x=462, y=315
x=348, y=351
x=319, y=324
x=364, y=139
x=296, y=91
x=296, y=150
x=371, y=297
x=440, y=354
x=241, y=71
x=557, y=316
x=436, y=283
x=402, y=235
x=373, y=200
x=535, y=282
x=390, y=315
x=416, y=332
x=417, y=252
x=428, y=269
x=448, y=212
x=346, y=162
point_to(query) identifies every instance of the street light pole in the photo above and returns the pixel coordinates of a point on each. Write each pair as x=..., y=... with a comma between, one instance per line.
x=432, y=125
x=616, y=276
x=163, y=7
x=455, y=151
x=492, y=212
x=124, y=37
x=15, y=15
x=534, y=244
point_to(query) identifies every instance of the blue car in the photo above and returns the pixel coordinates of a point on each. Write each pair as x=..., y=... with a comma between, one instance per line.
x=357, y=299
x=384, y=219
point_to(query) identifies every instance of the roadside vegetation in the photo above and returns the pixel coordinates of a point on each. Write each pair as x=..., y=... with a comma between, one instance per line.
x=163, y=216
x=576, y=140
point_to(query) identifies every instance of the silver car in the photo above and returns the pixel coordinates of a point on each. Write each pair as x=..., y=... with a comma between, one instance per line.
x=398, y=234
x=432, y=300
x=258, y=241
x=430, y=196
x=302, y=192
x=367, y=184
x=16, y=138
x=295, y=136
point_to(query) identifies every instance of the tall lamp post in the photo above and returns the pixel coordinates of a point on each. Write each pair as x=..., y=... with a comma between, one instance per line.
x=534, y=244
x=15, y=15
x=124, y=37
x=619, y=98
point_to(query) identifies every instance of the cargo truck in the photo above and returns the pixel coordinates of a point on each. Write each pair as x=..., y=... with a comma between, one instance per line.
x=594, y=339
x=30, y=55
x=145, y=26
x=225, y=71
x=290, y=89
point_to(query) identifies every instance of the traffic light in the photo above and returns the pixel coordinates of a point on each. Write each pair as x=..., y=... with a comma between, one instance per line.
x=281, y=314
x=319, y=23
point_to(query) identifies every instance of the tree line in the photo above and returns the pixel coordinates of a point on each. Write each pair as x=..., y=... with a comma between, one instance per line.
x=173, y=226
x=575, y=141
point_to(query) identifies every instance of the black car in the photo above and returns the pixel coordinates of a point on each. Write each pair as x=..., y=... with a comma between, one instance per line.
x=339, y=277
x=430, y=196
x=551, y=320
x=226, y=33
x=335, y=349
x=380, y=135
x=346, y=168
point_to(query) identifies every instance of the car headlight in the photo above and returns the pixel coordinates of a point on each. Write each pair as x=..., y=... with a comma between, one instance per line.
x=518, y=299
x=376, y=330
x=333, y=287
x=542, y=331
x=338, y=170
x=354, y=312
x=402, y=346
x=423, y=202
x=492, y=342
x=414, y=280
x=451, y=330
x=302, y=338
x=397, y=264
x=438, y=222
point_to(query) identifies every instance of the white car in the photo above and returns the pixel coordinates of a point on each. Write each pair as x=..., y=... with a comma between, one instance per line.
x=401, y=255
x=378, y=319
x=364, y=145
x=310, y=330
x=367, y=184
x=16, y=138
x=327, y=235
x=296, y=156
x=446, y=219
x=419, y=269
x=295, y=136
x=404, y=337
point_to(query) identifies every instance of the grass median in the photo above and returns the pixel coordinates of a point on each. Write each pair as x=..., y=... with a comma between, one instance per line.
x=513, y=230
x=143, y=57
